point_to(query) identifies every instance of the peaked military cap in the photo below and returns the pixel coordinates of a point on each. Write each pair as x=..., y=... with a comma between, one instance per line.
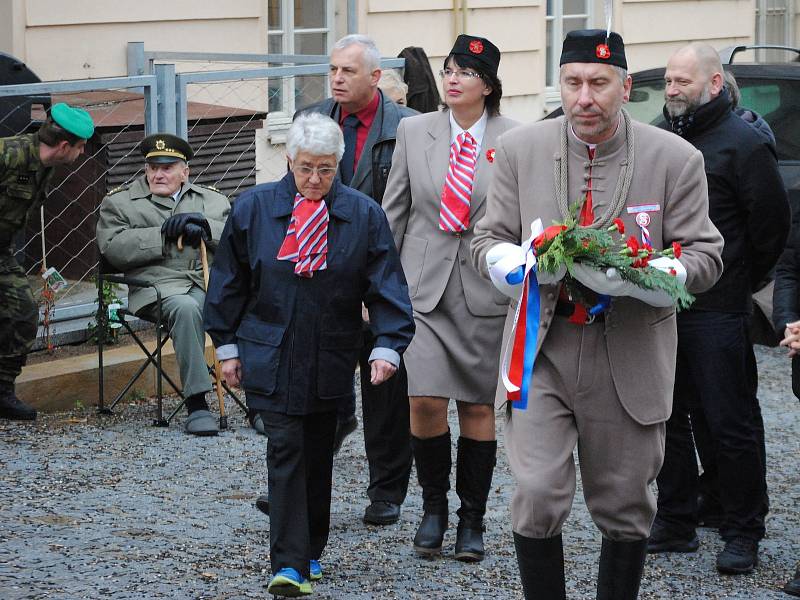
x=479, y=49
x=75, y=120
x=592, y=46
x=165, y=148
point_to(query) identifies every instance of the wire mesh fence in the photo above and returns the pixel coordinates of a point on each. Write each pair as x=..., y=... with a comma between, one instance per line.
x=223, y=117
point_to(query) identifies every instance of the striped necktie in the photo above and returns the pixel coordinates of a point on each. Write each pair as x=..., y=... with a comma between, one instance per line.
x=306, y=241
x=457, y=191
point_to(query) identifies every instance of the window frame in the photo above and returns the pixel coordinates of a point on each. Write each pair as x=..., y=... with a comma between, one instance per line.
x=552, y=93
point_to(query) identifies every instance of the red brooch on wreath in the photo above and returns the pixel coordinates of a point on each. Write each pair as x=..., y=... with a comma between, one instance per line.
x=603, y=51
x=490, y=155
x=476, y=46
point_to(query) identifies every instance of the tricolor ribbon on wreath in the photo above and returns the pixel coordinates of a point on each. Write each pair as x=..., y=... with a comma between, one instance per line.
x=513, y=269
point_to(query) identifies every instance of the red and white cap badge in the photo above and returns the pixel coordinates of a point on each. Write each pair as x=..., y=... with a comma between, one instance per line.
x=603, y=51
x=476, y=46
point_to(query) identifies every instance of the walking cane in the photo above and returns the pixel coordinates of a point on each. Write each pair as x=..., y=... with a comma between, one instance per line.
x=223, y=418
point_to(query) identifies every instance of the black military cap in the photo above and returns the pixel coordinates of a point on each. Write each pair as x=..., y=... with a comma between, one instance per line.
x=165, y=148
x=477, y=48
x=592, y=46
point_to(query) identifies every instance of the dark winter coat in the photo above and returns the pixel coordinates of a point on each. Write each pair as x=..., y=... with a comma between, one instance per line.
x=299, y=338
x=747, y=200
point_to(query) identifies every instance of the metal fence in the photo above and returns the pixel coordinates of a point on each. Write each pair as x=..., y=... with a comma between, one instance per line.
x=220, y=103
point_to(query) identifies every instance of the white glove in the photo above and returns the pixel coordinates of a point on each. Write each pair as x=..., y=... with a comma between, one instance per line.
x=660, y=297
x=666, y=264
x=501, y=260
x=603, y=282
x=545, y=278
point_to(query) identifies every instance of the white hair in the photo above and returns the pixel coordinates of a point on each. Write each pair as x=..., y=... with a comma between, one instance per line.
x=391, y=80
x=372, y=56
x=316, y=134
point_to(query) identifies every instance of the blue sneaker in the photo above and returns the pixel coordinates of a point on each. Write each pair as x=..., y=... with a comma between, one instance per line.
x=314, y=570
x=289, y=583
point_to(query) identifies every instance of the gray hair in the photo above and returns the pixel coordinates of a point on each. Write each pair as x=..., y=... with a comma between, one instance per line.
x=372, y=56
x=733, y=88
x=391, y=80
x=316, y=134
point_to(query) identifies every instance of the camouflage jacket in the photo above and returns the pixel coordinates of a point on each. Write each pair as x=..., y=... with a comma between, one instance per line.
x=23, y=185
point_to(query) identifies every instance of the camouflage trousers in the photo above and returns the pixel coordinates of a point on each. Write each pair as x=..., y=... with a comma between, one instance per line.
x=19, y=318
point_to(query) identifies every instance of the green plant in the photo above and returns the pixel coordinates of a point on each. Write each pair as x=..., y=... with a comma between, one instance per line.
x=104, y=319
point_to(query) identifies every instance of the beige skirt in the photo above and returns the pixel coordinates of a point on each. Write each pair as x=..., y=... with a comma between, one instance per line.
x=455, y=354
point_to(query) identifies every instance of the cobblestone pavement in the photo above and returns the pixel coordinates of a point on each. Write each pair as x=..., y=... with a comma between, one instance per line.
x=113, y=508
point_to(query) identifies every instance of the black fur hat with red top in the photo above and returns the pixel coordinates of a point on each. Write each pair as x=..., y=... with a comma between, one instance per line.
x=594, y=46
x=478, y=49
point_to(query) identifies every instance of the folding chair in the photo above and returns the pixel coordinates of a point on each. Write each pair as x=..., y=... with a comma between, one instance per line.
x=106, y=272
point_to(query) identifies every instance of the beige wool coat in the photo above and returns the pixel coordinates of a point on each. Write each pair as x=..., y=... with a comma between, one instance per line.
x=668, y=172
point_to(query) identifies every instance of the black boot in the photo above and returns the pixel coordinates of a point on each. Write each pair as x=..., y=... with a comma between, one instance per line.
x=541, y=567
x=432, y=457
x=12, y=407
x=474, y=469
x=621, y=566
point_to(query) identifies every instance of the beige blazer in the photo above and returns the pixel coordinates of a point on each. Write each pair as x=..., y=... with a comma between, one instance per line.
x=412, y=200
x=668, y=172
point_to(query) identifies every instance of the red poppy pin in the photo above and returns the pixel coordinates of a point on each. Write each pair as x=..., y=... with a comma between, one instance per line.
x=603, y=51
x=490, y=155
x=476, y=46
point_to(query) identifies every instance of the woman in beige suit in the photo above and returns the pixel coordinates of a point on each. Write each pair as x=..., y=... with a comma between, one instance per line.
x=436, y=192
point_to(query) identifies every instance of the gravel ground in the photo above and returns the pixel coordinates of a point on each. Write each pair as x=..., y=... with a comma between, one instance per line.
x=113, y=508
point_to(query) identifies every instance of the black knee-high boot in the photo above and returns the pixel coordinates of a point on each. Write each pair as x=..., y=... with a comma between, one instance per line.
x=541, y=567
x=432, y=458
x=621, y=566
x=474, y=469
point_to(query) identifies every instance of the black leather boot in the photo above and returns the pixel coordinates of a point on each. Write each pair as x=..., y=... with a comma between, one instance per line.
x=432, y=457
x=474, y=469
x=541, y=567
x=621, y=566
x=12, y=407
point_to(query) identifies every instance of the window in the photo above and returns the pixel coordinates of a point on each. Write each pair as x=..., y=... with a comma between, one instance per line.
x=774, y=22
x=298, y=27
x=562, y=17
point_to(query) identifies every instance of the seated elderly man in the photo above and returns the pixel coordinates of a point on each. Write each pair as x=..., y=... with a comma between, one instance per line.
x=297, y=259
x=138, y=231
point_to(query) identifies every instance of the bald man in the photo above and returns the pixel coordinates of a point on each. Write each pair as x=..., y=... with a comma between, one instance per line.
x=716, y=378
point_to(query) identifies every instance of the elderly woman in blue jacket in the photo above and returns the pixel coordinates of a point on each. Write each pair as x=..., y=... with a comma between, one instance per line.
x=296, y=260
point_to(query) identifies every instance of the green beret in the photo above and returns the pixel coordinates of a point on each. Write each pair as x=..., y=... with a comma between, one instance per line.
x=75, y=120
x=165, y=148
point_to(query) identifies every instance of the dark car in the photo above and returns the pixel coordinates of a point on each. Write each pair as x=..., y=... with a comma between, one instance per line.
x=771, y=89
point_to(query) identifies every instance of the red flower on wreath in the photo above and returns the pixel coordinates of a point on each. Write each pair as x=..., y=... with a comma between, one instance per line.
x=490, y=155
x=632, y=245
x=547, y=235
x=676, y=249
x=619, y=225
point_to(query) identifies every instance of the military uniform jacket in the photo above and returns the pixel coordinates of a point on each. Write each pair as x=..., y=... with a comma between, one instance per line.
x=129, y=237
x=299, y=338
x=668, y=173
x=23, y=185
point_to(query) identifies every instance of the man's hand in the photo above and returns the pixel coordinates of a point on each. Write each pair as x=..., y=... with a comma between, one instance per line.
x=232, y=371
x=192, y=234
x=791, y=338
x=380, y=371
x=506, y=261
x=175, y=226
x=601, y=281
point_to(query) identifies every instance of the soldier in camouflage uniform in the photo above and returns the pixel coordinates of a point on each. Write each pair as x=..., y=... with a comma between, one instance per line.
x=26, y=165
x=137, y=231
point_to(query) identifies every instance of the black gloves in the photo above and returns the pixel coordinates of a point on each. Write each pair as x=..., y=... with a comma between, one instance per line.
x=193, y=227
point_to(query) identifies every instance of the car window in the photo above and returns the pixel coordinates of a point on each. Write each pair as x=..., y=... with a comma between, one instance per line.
x=647, y=101
x=762, y=98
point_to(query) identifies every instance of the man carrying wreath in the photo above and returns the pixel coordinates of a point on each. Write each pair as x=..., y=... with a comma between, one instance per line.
x=602, y=382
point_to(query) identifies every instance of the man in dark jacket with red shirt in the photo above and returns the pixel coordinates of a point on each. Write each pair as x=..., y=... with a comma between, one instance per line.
x=716, y=377
x=369, y=122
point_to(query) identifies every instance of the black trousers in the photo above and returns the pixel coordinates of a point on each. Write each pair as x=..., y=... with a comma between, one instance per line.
x=299, y=466
x=715, y=399
x=387, y=430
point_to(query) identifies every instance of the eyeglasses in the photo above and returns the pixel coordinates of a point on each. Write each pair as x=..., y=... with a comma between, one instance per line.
x=323, y=172
x=460, y=74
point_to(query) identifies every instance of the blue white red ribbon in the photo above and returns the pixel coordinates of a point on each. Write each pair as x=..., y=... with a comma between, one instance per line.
x=520, y=351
